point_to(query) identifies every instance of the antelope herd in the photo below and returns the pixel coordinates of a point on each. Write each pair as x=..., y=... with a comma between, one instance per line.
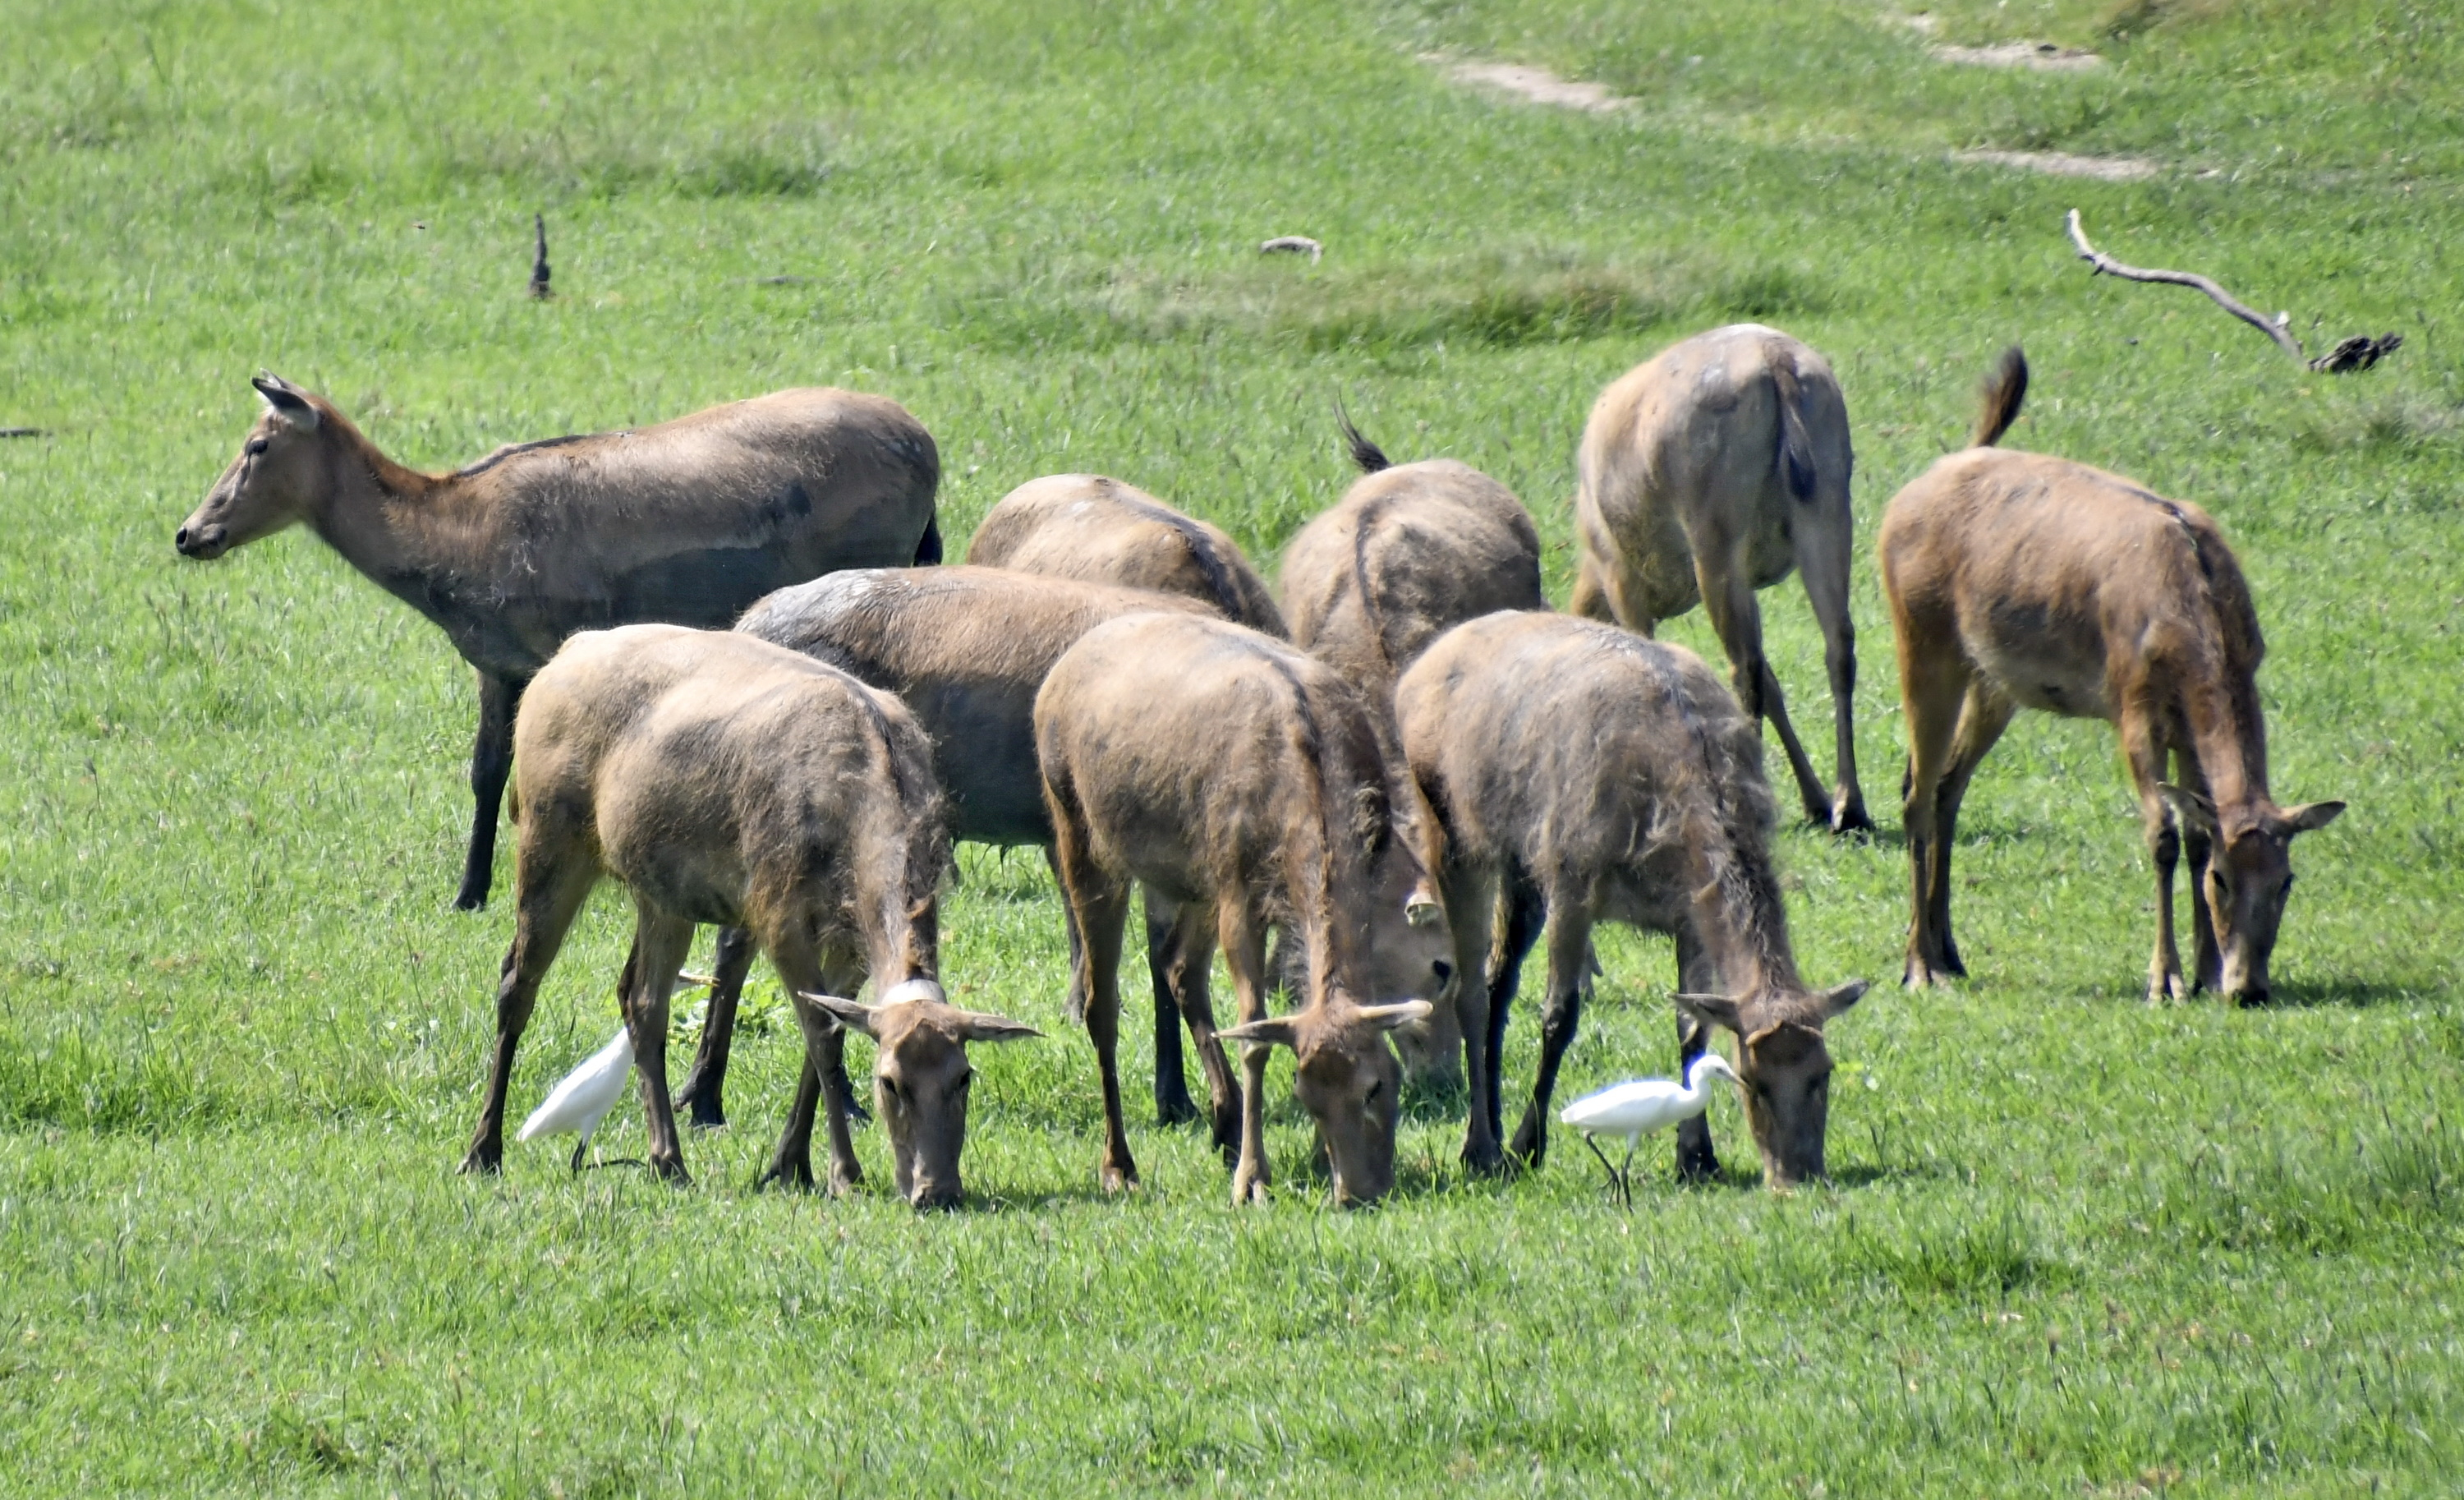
x=720, y=665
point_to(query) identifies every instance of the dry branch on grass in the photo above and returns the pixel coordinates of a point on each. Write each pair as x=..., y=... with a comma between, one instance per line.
x=1292, y=245
x=2358, y=352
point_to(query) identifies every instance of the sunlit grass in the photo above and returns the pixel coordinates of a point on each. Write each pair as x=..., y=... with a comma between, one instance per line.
x=2075, y=1245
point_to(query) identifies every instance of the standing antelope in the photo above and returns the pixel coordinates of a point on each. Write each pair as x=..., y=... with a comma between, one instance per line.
x=2019, y=581
x=1410, y=551
x=685, y=522
x=1705, y=475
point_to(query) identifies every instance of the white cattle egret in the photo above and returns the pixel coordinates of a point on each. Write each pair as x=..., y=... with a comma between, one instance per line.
x=1635, y=1109
x=583, y=1096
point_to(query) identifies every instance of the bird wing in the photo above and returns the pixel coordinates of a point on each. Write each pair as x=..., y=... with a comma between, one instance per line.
x=1642, y=1105
x=582, y=1097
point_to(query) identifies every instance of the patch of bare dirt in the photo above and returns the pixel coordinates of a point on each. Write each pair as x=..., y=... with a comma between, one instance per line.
x=1532, y=86
x=2043, y=57
x=2062, y=164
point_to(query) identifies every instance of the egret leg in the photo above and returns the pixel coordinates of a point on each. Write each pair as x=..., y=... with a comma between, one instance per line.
x=579, y=1147
x=1625, y=1173
x=1604, y=1159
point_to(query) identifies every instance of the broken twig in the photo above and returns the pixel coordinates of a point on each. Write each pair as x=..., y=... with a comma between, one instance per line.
x=24, y=432
x=1293, y=245
x=2359, y=352
x=538, y=266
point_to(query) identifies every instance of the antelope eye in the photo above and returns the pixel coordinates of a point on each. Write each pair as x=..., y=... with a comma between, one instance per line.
x=255, y=446
x=1445, y=970
x=963, y=1079
x=1375, y=1091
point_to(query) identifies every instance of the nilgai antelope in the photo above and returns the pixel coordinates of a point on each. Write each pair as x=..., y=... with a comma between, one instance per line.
x=1615, y=777
x=2019, y=581
x=1244, y=781
x=685, y=522
x=1097, y=530
x=965, y=648
x=1410, y=551
x=1707, y=474
x=726, y=780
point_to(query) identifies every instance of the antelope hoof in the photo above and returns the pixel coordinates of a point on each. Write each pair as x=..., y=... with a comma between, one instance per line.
x=486, y=1159
x=670, y=1170
x=1249, y=1186
x=796, y=1175
x=1118, y=1179
x=1485, y=1160
x=2167, y=987
x=1920, y=975
x=1529, y=1148
x=1694, y=1168
x=1851, y=817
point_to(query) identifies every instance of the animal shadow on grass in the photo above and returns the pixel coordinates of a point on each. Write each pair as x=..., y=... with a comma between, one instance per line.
x=2347, y=991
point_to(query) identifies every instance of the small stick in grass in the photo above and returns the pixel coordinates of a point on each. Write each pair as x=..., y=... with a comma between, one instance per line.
x=539, y=264
x=2359, y=352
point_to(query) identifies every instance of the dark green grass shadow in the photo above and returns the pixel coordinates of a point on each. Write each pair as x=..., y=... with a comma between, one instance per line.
x=2344, y=992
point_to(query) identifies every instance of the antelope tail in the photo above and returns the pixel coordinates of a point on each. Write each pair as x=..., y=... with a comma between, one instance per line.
x=1795, y=443
x=928, y=547
x=2000, y=397
x=1365, y=455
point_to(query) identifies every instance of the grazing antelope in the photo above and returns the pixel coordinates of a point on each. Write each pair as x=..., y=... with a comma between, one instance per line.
x=1616, y=780
x=1709, y=473
x=726, y=780
x=685, y=522
x=2020, y=580
x=1246, y=782
x=1097, y=530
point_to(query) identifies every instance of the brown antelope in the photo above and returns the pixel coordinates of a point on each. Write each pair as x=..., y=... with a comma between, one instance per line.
x=1709, y=473
x=726, y=780
x=1246, y=782
x=685, y=522
x=1097, y=530
x=1409, y=551
x=965, y=648
x=2019, y=581
x=1616, y=779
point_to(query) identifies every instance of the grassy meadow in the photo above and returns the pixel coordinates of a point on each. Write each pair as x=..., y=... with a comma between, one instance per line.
x=2076, y=1246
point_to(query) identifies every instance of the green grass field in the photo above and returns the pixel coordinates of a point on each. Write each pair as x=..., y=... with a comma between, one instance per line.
x=2076, y=1246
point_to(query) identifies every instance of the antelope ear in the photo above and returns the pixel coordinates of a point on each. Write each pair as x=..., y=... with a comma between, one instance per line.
x=1273, y=1031
x=976, y=1025
x=1717, y=1009
x=1402, y=1013
x=2312, y=816
x=1840, y=997
x=288, y=401
x=2189, y=808
x=853, y=1014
